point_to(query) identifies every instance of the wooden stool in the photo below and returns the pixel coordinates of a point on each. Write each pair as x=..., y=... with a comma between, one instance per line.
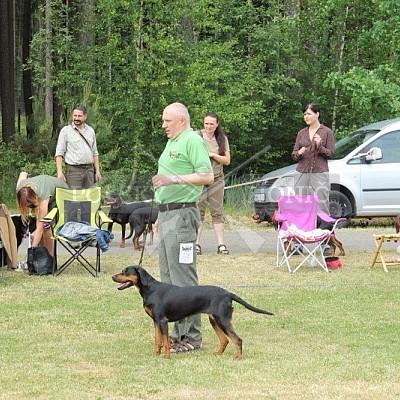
x=379, y=240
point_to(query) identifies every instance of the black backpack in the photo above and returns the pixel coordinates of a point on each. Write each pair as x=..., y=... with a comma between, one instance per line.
x=40, y=262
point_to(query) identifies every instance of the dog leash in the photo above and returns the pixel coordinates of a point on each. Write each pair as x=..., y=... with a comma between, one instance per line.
x=145, y=235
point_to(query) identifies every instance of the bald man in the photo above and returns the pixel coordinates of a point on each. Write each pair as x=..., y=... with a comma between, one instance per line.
x=183, y=168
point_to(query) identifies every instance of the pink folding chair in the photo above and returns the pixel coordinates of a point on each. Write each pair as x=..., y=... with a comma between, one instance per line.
x=298, y=233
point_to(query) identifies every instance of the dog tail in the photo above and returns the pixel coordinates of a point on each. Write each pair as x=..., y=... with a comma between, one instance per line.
x=249, y=306
x=130, y=233
x=131, y=229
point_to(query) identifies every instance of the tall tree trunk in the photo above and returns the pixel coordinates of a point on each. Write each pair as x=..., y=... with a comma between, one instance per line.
x=49, y=87
x=7, y=67
x=27, y=73
x=86, y=37
x=340, y=65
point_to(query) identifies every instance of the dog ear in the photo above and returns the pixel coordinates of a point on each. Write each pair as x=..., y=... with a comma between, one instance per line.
x=140, y=272
x=144, y=276
x=132, y=270
x=137, y=270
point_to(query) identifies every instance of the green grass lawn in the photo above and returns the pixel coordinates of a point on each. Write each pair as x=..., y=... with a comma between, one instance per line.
x=333, y=336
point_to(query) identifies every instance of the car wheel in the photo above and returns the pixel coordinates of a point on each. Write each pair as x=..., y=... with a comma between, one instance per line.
x=339, y=204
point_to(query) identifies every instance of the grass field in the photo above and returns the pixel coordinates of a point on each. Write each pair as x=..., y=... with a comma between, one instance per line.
x=333, y=336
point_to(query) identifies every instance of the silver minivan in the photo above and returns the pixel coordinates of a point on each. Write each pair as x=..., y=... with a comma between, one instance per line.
x=364, y=175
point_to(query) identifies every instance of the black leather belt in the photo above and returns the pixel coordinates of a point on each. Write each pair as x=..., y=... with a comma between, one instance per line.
x=174, y=206
x=81, y=165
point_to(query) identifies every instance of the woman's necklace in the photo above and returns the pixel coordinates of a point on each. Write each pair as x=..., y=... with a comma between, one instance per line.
x=209, y=138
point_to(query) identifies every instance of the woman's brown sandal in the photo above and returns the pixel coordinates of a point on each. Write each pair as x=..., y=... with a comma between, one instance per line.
x=222, y=249
x=198, y=249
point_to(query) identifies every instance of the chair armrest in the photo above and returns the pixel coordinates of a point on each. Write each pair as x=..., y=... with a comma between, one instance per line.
x=50, y=216
x=103, y=218
x=327, y=218
x=341, y=219
x=106, y=209
x=279, y=217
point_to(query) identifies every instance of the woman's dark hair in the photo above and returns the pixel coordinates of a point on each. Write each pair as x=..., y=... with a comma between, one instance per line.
x=314, y=108
x=219, y=133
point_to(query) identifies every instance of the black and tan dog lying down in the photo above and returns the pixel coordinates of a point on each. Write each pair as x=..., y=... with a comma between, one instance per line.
x=168, y=303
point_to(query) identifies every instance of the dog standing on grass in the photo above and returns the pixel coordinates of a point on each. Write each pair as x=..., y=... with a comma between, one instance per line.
x=120, y=212
x=141, y=221
x=165, y=303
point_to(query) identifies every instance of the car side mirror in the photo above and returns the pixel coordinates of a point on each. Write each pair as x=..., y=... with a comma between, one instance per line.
x=374, y=154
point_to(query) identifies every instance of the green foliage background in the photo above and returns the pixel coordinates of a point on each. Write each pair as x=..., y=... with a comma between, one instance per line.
x=255, y=62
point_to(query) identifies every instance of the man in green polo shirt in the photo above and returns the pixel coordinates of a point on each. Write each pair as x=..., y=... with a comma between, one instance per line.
x=183, y=168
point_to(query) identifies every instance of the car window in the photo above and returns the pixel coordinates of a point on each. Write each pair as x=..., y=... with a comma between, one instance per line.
x=347, y=144
x=390, y=146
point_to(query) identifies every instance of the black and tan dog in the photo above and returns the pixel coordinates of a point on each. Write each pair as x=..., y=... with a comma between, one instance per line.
x=23, y=229
x=120, y=212
x=141, y=221
x=168, y=303
x=334, y=241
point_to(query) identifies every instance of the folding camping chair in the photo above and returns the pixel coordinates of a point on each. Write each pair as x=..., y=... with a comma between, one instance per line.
x=77, y=205
x=298, y=233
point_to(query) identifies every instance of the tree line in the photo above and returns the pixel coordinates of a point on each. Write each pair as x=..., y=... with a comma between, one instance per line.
x=254, y=62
